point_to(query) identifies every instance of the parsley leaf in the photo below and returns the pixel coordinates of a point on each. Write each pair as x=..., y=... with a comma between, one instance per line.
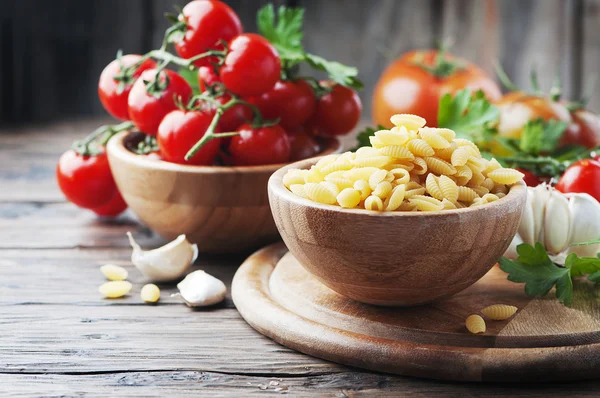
x=541, y=136
x=535, y=268
x=363, y=137
x=468, y=115
x=339, y=73
x=287, y=34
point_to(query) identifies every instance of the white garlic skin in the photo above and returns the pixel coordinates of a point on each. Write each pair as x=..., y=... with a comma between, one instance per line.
x=199, y=289
x=166, y=263
x=558, y=220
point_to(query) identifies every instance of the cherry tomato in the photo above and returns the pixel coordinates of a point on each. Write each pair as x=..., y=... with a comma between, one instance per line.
x=581, y=177
x=409, y=86
x=293, y=102
x=584, y=129
x=530, y=179
x=147, y=109
x=338, y=111
x=113, y=98
x=207, y=77
x=234, y=117
x=113, y=208
x=86, y=181
x=208, y=22
x=517, y=108
x=258, y=146
x=180, y=130
x=251, y=67
x=302, y=145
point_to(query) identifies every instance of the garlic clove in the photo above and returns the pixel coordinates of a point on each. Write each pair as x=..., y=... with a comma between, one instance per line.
x=585, y=224
x=166, y=263
x=527, y=226
x=199, y=289
x=511, y=252
x=540, y=196
x=557, y=223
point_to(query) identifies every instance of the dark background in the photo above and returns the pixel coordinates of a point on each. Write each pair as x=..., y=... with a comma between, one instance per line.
x=52, y=51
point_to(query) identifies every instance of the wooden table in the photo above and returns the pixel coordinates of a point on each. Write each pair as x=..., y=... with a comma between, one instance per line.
x=58, y=337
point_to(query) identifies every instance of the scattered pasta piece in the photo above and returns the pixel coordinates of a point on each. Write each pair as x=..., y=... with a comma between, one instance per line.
x=475, y=324
x=408, y=168
x=499, y=312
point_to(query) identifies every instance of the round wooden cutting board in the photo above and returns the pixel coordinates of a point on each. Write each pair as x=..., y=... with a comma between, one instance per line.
x=544, y=341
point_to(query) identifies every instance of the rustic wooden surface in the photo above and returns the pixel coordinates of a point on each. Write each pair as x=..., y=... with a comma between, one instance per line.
x=543, y=341
x=59, y=338
x=72, y=39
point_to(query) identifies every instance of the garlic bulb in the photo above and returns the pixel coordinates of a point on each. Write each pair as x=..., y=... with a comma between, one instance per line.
x=166, y=263
x=558, y=220
x=200, y=289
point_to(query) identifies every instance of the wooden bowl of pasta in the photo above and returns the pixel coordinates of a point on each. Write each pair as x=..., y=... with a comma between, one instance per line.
x=394, y=258
x=221, y=208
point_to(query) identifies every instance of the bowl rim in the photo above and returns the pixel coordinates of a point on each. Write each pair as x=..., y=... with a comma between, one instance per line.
x=116, y=148
x=517, y=192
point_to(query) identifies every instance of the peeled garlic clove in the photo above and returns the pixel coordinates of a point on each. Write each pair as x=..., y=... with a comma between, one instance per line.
x=166, y=263
x=200, y=289
x=585, y=224
x=527, y=226
x=115, y=289
x=150, y=293
x=557, y=223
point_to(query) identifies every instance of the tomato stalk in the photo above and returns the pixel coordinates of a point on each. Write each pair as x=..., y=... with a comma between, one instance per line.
x=210, y=131
x=106, y=132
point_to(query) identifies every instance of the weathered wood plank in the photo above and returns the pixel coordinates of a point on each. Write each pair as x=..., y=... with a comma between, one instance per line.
x=591, y=51
x=343, y=384
x=73, y=276
x=62, y=225
x=367, y=35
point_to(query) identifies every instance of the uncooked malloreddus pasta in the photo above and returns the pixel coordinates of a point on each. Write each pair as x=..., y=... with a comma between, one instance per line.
x=499, y=312
x=407, y=168
x=475, y=324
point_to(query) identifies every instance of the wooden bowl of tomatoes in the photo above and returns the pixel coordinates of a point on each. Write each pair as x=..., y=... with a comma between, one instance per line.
x=221, y=208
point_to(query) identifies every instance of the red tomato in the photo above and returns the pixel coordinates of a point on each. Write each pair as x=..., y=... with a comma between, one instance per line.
x=86, y=181
x=303, y=145
x=517, y=108
x=258, y=146
x=179, y=131
x=234, y=117
x=208, y=22
x=338, y=111
x=251, y=67
x=207, y=77
x=293, y=102
x=530, y=179
x=113, y=99
x=584, y=130
x=583, y=177
x=113, y=208
x=407, y=86
x=146, y=109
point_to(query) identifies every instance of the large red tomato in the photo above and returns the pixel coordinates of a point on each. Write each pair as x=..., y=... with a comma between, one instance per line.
x=207, y=23
x=87, y=182
x=112, y=93
x=415, y=82
x=180, y=130
x=517, y=108
x=581, y=177
x=147, y=109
